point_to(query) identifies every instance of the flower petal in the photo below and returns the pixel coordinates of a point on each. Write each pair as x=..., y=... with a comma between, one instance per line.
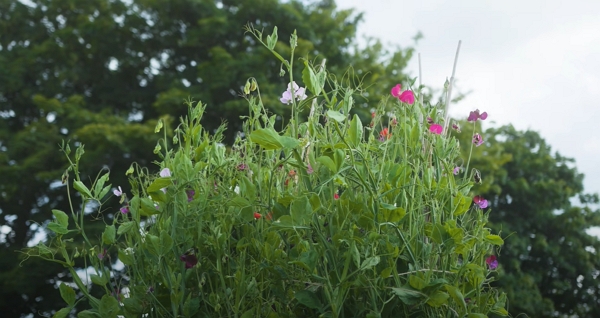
x=407, y=97
x=396, y=90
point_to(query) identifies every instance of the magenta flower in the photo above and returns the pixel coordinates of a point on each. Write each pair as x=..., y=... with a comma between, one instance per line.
x=404, y=96
x=436, y=129
x=299, y=94
x=118, y=192
x=473, y=116
x=477, y=140
x=480, y=201
x=124, y=209
x=492, y=262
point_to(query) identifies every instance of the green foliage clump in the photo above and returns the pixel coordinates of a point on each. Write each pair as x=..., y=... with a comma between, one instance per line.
x=326, y=218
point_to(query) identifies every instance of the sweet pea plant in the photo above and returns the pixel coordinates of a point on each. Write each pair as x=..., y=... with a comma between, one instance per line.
x=324, y=217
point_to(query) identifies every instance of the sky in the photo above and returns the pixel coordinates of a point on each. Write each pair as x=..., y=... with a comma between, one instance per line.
x=534, y=64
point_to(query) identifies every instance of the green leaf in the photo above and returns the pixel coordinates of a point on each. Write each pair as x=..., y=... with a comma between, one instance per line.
x=311, y=80
x=458, y=298
x=327, y=162
x=392, y=214
x=147, y=207
x=108, y=237
x=81, y=188
x=494, y=239
x=159, y=183
x=166, y=242
x=272, y=39
x=335, y=115
x=288, y=142
x=369, y=262
x=301, y=211
x=88, y=314
x=386, y=272
x=125, y=258
x=249, y=313
x=417, y=282
x=191, y=306
x=99, y=186
x=133, y=305
x=109, y=307
x=308, y=299
x=57, y=228
x=61, y=218
x=356, y=131
x=461, y=204
x=68, y=294
x=437, y=299
x=267, y=138
x=62, y=313
x=473, y=315
x=407, y=295
x=125, y=227
x=98, y=280
x=239, y=202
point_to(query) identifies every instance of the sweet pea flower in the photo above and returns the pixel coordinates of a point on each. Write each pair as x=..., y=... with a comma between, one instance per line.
x=336, y=196
x=299, y=94
x=436, y=129
x=474, y=115
x=477, y=140
x=257, y=215
x=165, y=173
x=118, y=192
x=309, y=169
x=480, y=201
x=404, y=96
x=189, y=258
x=492, y=262
x=124, y=209
x=190, y=194
x=384, y=134
x=456, y=170
x=456, y=127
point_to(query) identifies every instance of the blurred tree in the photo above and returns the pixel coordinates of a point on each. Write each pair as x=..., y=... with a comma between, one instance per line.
x=100, y=72
x=549, y=264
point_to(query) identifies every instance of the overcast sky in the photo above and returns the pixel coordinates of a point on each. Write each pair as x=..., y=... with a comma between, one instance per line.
x=534, y=64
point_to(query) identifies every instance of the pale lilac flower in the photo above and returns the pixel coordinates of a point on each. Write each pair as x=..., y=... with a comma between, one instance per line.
x=299, y=94
x=165, y=173
x=118, y=192
x=456, y=170
x=477, y=140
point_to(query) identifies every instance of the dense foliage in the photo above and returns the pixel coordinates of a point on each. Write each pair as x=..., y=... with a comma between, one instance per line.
x=550, y=264
x=102, y=72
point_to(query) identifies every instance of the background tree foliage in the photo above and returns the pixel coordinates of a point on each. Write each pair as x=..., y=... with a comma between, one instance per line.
x=549, y=264
x=100, y=72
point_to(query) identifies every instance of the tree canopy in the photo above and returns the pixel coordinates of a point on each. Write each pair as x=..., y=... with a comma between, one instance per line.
x=101, y=72
x=549, y=263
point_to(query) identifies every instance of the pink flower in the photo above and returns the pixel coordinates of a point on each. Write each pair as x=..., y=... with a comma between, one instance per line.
x=336, y=196
x=492, y=262
x=124, y=209
x=242, y=167
x=309, y=169
x=473, y=116
x=118, y=192
x=299, y=94
x=436, y=129
x=477, y=140
x=480, y=201
x=404, y=96
x=456, y=170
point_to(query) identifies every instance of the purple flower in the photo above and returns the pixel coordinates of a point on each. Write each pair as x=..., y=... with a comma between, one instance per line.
x=481, y=202
x=242, y=167
x=118, y=192
x=165, y=173
x=456, y=127
x=102, y=255
x=190, y=194
x=299, y=94
x=477, y=140
x=124, y=209
x=492, y=262
x=430, y=121
x=473, y=116
x=189, y=258
x=456, y=170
